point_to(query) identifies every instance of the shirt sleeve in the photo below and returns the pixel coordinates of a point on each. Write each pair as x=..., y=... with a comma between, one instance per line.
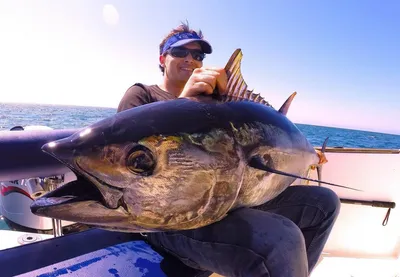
x=133, y=97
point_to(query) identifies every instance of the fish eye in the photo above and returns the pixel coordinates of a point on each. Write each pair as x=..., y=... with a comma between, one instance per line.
x=140, y=160
x=268, y=160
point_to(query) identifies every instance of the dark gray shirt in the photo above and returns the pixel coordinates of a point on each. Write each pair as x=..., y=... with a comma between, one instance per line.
x=140, y=94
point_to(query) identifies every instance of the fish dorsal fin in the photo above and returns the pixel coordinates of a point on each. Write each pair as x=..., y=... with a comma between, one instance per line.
x=285, y=107
x=237, y=87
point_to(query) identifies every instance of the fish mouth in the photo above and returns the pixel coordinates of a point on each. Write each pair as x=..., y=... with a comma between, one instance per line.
x=88, y=199
x=73, y=192
x=111, y=197
x=79, y=201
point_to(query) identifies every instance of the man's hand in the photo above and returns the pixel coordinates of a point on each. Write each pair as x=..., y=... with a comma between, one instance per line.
x=204, y=80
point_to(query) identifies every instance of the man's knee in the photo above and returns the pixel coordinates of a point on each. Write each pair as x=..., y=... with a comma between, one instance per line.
x=329, y=201
x=288, y=238
x=247, y=243
x=285, y=250
x=274, y=247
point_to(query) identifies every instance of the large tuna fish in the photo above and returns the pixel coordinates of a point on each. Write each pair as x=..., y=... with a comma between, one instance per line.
x=179, y=164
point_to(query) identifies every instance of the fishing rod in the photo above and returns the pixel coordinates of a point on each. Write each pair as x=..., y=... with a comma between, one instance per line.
x=376, y=204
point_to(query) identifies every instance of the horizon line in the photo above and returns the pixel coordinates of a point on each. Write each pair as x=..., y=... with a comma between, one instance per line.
x=395, y=133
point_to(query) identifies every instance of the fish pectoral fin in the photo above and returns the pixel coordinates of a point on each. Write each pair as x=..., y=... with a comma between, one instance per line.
x=257, y=162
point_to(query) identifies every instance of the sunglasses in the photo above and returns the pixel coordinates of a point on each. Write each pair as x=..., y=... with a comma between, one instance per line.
x=179, y=52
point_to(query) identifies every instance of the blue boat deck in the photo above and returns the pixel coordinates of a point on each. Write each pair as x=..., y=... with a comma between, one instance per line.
x=94, y=252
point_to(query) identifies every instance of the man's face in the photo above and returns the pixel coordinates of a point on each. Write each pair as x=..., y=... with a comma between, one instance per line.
x=180, y=69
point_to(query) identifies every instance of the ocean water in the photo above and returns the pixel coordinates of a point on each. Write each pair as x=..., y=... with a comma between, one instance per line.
x=60, y=117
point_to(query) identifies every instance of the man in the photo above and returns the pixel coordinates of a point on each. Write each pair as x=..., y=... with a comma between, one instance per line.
x=183, y=73
x=281, y=238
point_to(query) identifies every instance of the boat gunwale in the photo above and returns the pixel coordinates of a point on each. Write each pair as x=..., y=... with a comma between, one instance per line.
x=359, y=150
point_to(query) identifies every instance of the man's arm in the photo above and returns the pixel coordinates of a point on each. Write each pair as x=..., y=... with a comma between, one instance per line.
x=133, y=97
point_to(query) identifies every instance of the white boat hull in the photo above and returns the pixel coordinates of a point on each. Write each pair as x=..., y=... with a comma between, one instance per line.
x=16, y=198
x=358, y=231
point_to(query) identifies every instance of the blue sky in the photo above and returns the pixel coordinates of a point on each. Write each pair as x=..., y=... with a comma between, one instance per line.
x=342, y=57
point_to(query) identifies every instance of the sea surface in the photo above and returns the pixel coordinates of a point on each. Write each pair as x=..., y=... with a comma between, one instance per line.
x=61, y=117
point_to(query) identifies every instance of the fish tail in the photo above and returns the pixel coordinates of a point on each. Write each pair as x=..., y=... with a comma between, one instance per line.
x=323, y=159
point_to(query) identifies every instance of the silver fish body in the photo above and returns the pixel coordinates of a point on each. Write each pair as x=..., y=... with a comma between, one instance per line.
x=175, y=165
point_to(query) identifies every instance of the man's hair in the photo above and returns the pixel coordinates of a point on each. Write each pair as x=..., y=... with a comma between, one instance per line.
x=183, y=27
